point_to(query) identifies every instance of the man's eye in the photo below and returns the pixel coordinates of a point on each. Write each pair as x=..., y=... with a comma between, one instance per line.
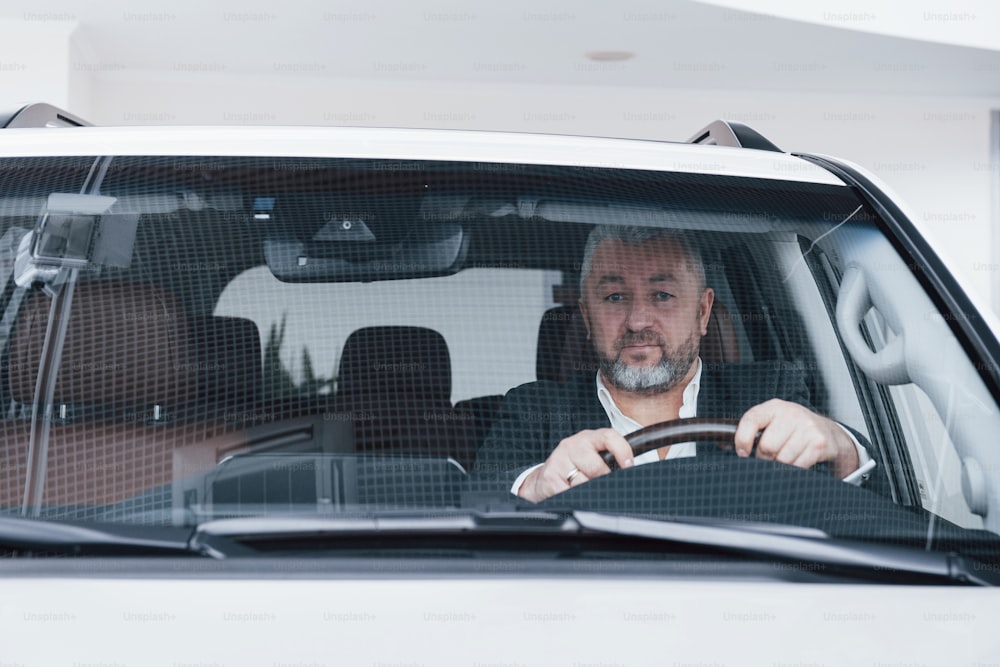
x=614, y=298
x=663, y=296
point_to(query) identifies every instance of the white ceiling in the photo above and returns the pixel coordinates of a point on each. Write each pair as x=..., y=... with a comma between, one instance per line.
x=960, y=22
x=676, y=43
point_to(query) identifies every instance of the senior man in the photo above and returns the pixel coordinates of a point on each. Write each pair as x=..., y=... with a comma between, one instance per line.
x=646, y=306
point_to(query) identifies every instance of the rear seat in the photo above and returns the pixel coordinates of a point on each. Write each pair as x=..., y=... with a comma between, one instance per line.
x=551, y=363
x=138, y=379
x=394, y=387
x=228, y=364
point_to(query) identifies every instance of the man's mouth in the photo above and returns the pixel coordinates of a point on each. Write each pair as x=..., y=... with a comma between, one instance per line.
x=639, y=352
x=639, y=344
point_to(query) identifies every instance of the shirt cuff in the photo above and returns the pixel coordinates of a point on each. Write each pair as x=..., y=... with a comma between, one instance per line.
x=523, y=476
x=865, y=463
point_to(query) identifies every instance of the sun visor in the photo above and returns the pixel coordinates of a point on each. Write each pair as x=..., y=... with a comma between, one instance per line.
x=456, y=207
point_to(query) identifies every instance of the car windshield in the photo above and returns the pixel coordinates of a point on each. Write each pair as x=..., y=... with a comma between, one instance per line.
x=194, y=338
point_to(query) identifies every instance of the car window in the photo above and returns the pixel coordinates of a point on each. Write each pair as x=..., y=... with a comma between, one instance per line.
x=489, y=319
x=188, y=338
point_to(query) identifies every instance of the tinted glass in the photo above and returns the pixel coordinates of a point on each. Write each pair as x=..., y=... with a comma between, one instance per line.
x=272, y=336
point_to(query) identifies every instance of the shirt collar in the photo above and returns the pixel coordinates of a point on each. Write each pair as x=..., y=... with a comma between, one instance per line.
x=625, y=424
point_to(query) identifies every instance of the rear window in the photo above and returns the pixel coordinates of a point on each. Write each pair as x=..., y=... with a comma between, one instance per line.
x=489, y=318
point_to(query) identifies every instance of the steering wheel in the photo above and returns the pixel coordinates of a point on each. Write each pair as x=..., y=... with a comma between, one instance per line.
x=695, y=429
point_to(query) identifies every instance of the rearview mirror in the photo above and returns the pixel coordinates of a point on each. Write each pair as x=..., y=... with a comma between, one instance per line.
x=428, y=250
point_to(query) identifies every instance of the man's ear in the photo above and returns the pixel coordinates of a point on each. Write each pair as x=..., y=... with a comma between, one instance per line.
x=586, y=320
x=705, y=308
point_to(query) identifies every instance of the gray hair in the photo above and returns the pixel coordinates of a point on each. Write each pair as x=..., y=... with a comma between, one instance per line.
x=635, y=236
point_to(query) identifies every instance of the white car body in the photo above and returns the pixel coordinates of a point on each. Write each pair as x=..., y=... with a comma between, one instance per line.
x=490, y=611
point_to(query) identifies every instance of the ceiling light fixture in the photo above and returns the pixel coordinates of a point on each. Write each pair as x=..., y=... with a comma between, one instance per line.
x=609, y=56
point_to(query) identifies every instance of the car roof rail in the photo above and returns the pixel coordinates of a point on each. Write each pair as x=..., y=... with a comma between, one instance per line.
x=732, y=133
x=40, y=114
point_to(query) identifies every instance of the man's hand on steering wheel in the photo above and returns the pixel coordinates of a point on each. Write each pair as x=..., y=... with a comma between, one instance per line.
x=775, y=430
x=575, y=460
x=796, y=435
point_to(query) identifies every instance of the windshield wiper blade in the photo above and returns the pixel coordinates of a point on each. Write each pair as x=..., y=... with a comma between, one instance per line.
x=814, y=549
x=224, y=538
x=809, y=546
x=221, y=537
x=56, y=537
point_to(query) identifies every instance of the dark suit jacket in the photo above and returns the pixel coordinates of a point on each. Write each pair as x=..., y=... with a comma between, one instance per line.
x=536, y=416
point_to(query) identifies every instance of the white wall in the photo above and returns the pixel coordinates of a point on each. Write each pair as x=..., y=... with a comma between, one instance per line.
x=34, y=61
x=932, y=151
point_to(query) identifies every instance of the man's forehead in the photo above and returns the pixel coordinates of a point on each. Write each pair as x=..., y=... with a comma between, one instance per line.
x=614, y=257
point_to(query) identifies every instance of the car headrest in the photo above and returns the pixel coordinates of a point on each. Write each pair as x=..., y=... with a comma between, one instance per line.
x=227, y=360
x=551, y=338
x=126, y=344
x=408, y=364
x=563, y=349
x=720, y=343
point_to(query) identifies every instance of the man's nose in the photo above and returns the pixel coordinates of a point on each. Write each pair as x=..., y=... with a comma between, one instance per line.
x=639, y=316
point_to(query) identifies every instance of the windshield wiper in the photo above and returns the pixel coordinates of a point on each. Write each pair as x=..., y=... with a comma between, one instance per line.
x=43, y=537
x=813, y=548
x=802, y=545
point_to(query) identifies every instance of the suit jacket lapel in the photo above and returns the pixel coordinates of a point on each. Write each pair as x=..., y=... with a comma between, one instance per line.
x=713, y=398
x=727, y=391
x=586, y=410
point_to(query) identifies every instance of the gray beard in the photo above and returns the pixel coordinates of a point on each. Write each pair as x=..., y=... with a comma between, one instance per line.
x=657, y=379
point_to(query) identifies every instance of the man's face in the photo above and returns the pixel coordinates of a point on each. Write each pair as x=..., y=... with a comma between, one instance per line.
x=646, y=313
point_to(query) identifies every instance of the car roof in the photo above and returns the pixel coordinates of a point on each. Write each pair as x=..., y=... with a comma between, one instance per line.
x=413, y=144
